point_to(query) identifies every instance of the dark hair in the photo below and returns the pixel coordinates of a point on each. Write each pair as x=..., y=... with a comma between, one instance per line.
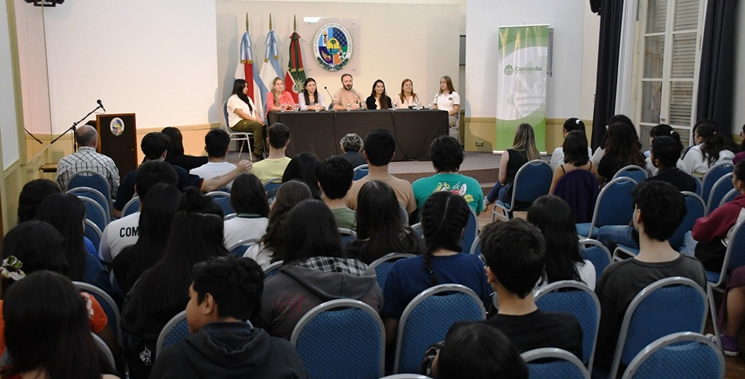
x=247, y=195
x=47, y=327
x=85, y=135
x=660, y=130
x=288, y=195
x=554, y=218
x=575, y=148
x=444, y=215
x=154, y=144
x=238, y=86
x=314, y=233
x=379, y=222
x=667, y=150
x=346, y=74
x=742, y=142
x=305, y=92
x=446, y=154
x=32, y=194
x=216, y=143
x=739, y=171
x=176, y=147
x=335, y=176
x=278, y=134
x=379, y=146
x=479, y=351
x=623, y=143
x=713, y=142
x=383, y=104
x=66, y=213
x=572, y=124
x=38, y=245
x=612, y=120
x=303, y=168
x=662, y=207
x=449, y=83
x=151, y=173
x=235, y=284
x=515, y=252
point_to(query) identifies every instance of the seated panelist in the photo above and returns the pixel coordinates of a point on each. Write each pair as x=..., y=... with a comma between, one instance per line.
x=378, y=99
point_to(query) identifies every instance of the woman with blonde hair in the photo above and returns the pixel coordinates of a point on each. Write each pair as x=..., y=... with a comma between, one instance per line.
x=278, y=99
x=407, y=97
x=522, y=151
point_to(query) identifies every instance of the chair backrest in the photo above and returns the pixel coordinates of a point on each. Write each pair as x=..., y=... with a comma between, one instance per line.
x=223, y=201
x=91, y=179
x=532, y=181
x=239, y=248
x=718, y=191
x=418, y=229
x=427, y=318
x=93, y=233
x=104, y=349
x=175, y=331
x=107, y=304
x=734, y=256
x=550, y=362
x=346, y=235
x=678, y=355
x=341, y=338
x=406, y=376
x=271, y=186
x=711, y=177
x=272, y=269
x=580, y=189
x=578, y=299
x=470, y=232
x=94, y=212
x=360, y=172
x=382, y=265
x=475, y=247
x=597, y=253
x=731, y=195
x=95, y=195
x=632, y=171
x=664, y=307
x=695, y=209
x=132, y=206
x=699, y=187
x=614, y=205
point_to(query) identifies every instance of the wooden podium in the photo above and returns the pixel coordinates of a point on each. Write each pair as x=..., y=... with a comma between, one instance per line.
x=117, y=138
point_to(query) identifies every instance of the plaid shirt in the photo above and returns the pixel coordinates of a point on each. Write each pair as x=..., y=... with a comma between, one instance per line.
x=331, y=264
x=86, y=158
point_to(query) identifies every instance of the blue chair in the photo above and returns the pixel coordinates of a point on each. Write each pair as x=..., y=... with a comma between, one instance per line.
x=719, y=190
x=470, y=232
x=92, y=179
x=576, y=298
x=271, y=186
x=132, y=206
x=550, y=362
x=699, y=187
x=695, y=209
x=108, y=355
x=532, y=181
x=360, y=172
x=613, y=207
x=475, y=247
x=382, y=265
x=272, y=269
x=678, y=355
x=664, y=307
x=236, y=136
x=95, y=195
x=347, y=236
x=418, y=229
x=239, y=248
x=632, y=171
x=406, y=376
x=597, y=253
x=711, y=177
x=93, y=233
x=731, y=195
x=734, y=257
x=94, y=212
x=175, y=331
x=341, y=338
x=427, y=319
x=107, y=304
x=223, y=201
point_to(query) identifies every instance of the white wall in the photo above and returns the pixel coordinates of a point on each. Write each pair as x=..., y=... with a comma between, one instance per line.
x=8, y=120
x=412, y=39
x=484, y=19
x=738, y=119
x=154, y=58
x=590, y=40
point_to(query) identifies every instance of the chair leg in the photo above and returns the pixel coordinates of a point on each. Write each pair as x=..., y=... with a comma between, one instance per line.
x=240, y=151
x=713, y=313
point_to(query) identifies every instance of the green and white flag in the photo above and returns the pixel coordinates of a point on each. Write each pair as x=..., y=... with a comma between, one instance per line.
x=521, y=83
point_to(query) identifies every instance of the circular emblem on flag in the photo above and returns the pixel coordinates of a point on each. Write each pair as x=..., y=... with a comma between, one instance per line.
x=332, y=46
x=116, y=126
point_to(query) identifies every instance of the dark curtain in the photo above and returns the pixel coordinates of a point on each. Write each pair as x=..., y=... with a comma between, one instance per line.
x=611, y=17
x=715, y=84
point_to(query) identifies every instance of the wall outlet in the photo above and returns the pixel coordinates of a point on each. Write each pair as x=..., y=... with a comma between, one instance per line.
x=479, y=143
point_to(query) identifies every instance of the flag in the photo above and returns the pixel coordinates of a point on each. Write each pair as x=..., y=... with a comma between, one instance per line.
x=245, y=70
x=295, y=76
x=270, y=69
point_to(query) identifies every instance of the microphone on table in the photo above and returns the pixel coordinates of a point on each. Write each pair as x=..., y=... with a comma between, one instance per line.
x=331, y=106
x=100, y=104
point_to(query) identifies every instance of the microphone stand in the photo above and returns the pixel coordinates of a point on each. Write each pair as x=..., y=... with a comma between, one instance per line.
x=74, y=130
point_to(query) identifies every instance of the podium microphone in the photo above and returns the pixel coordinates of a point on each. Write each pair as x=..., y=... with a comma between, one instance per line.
x=100, y=104
x=331, y=106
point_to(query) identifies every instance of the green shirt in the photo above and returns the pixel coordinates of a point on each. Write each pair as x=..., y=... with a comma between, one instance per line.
x=465, y=186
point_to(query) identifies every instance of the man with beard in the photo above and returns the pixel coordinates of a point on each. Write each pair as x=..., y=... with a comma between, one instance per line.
x=347, y=97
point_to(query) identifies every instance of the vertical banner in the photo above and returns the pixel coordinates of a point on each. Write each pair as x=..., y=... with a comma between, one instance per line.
x=521, y=83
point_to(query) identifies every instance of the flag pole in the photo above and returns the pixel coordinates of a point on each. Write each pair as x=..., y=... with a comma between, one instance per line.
x=270, y=21
x=294, y=23
x=246, y=21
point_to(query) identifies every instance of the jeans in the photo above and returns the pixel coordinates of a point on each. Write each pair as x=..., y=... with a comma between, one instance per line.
x=612, y=235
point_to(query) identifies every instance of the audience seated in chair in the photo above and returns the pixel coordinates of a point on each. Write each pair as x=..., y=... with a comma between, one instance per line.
x=217, y=145
x=303, y=168
x=278, y=137
x=658, y=210
x=380, y=227
x=522, y=151
x=176, y=154
x=86, y=158
x=335, y=178
x=575, y=158
x=271, y=246
x=662, y=130
x=351, y=144
x=32, y=194
x=710, y=149
x=379, y=149
x=665, y=156
x=313, y=271
x=570, y=125
x=225, y=292
x=252, y=210
x=621, y=148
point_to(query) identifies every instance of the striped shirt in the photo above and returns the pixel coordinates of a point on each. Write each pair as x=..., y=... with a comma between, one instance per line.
x=87, y=159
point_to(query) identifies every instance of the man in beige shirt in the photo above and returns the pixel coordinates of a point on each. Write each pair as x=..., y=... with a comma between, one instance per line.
x=347, y=97
x=379, y=148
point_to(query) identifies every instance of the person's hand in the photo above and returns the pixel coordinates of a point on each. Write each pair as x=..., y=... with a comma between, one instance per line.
x=244, y=165
x=88, y=303
x=355, y=106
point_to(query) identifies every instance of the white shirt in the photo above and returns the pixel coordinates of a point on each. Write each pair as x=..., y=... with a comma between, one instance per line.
x=319, y=100
x=244, y=228
x=447, y=101
x=118, y=235
x=210, y=170
x=409, y=101
x=235, y=102
x=694, y=163
x=262, y=256
x=599, y=153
